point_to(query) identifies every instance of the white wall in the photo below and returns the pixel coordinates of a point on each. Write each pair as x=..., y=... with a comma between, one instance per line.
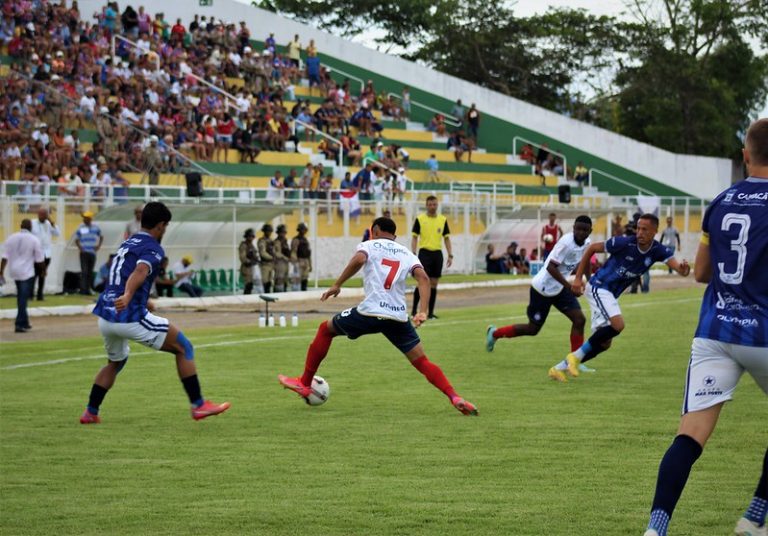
x=696, y=175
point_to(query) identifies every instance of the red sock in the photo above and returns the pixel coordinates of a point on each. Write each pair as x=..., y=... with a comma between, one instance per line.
x=435, y=375
x=317, y=352
x=504, y=332
x=576, y=341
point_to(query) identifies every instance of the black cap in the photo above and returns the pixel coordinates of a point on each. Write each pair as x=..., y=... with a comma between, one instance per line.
x=249, y=232
x=302, y=227
x=266, y=228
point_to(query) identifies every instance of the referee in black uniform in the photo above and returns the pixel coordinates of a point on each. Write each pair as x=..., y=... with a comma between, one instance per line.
x=431, y=229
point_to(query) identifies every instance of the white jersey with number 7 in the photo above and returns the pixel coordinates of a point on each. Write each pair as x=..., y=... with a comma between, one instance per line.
x=384, y=274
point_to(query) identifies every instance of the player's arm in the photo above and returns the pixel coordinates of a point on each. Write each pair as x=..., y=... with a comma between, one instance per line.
x=578, y=283
x=355, y=263
x=135, y=280
x=449, y=249
x=555, y=273
x=422, y=279
x=681, y=267
x=415, y=231
x=702, y=269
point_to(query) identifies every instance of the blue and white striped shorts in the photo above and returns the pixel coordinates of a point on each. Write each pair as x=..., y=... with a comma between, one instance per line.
x=149, y=331
x=603, y=305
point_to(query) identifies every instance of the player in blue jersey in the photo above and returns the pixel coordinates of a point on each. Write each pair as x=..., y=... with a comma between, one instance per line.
x=631, y=257
x=124, y=316
x=732, y=335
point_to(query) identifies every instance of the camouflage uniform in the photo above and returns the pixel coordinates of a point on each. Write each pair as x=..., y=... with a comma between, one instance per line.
x=302, y=254
x=282, y=258
x=267, y=254
x=249, y=258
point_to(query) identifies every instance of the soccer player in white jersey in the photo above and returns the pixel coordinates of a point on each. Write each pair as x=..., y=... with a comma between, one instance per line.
x=732, y=335
x=551, y=288
x=386, y=265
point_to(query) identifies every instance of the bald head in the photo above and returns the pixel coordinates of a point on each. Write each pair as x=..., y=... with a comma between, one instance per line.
x=756, y=144
x=42, y=214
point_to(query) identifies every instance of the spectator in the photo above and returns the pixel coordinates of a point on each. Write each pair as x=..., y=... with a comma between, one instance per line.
x=514, y=260
x=495, y=264
x=581, y=175
x=275, y=189
x=183, y=272
x=164, y=283
x=153, y=161
x=617, y=227
x=405, y=103
x=526, y=154
x=102, y=276
x=526, y=264
x=44, y=229
x=133, y=226
x=458, y=112
x=88, y=239
x=473, y=122
x=24, y=254
x=670, y=237
x=294, y=51
x=433, y=166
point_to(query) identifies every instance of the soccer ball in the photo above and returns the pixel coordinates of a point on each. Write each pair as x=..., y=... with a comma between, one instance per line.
x=548, y=238
x=320, y=392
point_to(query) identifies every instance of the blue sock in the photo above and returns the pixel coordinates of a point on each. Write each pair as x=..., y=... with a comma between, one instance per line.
x=756, y=511
x=659, y=522
x=583, y=350
x=674, y=469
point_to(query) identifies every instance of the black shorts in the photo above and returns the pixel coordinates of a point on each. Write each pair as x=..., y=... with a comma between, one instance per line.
x=539, y=305
x=432, y=261
x=352, y=324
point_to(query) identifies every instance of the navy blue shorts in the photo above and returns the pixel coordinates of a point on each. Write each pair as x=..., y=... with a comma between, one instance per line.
x=539, y=305
x=352, y=324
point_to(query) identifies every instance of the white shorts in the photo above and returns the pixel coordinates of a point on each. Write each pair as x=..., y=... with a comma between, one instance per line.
x=715, y=369
x=603, y=305
x=149, y=331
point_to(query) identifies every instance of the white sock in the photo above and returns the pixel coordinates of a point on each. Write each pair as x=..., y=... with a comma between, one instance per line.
x=562, y=365
x=579, y=353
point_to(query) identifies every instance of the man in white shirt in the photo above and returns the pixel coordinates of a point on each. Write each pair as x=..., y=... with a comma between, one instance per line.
x=44, y=229
x=386, y=265
x=183, y=272
x=550, y=288
x=22, y=253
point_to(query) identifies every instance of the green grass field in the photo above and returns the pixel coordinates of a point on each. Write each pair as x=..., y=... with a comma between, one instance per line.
x=387, y=454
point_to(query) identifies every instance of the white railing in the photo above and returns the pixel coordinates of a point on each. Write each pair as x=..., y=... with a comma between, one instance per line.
x=451, y=120
x=540, y=146
x=340, y=157
x=135, y=45
x=640, y=189
x=217, y=89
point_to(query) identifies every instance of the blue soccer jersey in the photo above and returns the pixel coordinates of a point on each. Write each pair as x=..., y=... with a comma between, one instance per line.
x=626, y=263
x=140, y=248
x=735, y=305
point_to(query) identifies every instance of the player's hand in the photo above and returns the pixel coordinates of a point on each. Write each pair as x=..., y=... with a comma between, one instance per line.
x=450, y=261
x=330, y=293
x=577, y=287
x=122, y=302
x=419, y=319
x=684, y=268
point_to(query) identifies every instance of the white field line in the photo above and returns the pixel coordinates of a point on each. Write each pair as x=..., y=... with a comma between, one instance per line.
x=291, y=337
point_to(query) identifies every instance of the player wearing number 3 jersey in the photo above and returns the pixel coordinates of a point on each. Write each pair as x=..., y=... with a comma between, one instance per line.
x=732, y=335
x=386, y=265
x=124, y=316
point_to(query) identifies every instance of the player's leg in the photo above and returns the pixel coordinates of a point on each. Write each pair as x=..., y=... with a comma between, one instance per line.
x=710, y=382
x=176, y=343
x=434, y=375
x=117, y=354
x=538, y=309
x=316, y=352
x=433, y=281
x=754, y=517
x=607, y=323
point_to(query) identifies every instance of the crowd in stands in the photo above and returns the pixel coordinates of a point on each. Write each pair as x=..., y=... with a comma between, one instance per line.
x=511, y=261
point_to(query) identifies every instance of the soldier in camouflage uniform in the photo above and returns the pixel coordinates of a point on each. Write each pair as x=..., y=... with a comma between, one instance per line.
x=282, y=259
x=249, y=258
x=301, y=254
x=266, y=249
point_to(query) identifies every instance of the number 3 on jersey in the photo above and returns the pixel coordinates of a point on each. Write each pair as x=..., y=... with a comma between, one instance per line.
x=739, y=246
x=394, y=267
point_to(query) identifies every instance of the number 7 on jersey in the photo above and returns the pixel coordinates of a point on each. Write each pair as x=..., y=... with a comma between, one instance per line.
x=394, y=267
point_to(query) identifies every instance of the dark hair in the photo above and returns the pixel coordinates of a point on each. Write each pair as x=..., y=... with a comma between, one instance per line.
x=650, y=217
x=431, y=198
x=154, y=213
x=584, y=219
x=757, y=140
x=385, y=225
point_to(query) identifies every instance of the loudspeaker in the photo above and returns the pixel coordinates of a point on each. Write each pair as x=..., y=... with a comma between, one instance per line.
x=71, y=284
x=194, y=184
x=564, y=193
